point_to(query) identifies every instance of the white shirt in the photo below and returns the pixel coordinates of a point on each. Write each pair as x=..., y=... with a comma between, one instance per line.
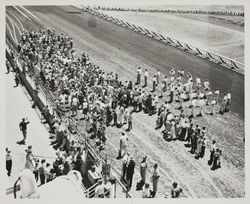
x=146, y=74
x=124, y=139
x=74, y=101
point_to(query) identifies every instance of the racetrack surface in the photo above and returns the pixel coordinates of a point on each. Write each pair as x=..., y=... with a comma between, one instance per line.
x=117, y=49
x=208, y=32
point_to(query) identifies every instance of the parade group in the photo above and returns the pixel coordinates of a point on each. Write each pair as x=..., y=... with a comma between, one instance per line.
x=101, y=100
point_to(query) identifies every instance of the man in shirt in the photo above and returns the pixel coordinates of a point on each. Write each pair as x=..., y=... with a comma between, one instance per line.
x=23, y=128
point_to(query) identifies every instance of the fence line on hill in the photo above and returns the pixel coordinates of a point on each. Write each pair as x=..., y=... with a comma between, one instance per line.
x=207, y=55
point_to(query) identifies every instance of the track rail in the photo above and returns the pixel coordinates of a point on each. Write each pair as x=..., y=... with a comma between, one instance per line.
x=207, y=55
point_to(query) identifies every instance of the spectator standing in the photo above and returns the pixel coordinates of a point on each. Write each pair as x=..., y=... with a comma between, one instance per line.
x=146, y=78
x=7, y=67
x=155, y=179
x=203, y=148
x=154, y=83
x=129, y=121
x=215, y=159
x=143, y=169
x=158, y=77
x=212, y=151
x=35, y=98
x=30, y=161
x=125, y=162
x=23, y=128
x=138, y=76
x=123, y=145
x=8, y=161
x=42, y=172
x=36, y=170
x=17, y=78
x=228, y=103
x=130, y=172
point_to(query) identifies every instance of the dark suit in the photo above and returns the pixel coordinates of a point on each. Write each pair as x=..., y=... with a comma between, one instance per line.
x=130, y=172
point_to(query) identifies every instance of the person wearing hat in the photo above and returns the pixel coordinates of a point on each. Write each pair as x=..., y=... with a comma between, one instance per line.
x=8, y=161
x=23, y=128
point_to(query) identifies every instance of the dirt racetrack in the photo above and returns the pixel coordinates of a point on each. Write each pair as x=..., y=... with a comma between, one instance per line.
x=116, y=49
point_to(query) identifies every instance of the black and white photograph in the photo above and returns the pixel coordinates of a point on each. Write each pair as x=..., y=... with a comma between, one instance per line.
x=124, y=99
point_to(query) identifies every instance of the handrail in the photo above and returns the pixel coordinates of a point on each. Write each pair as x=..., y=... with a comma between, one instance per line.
x=204, y=54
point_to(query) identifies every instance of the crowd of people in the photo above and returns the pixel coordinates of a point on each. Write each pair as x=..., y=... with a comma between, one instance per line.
x=102, y=100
